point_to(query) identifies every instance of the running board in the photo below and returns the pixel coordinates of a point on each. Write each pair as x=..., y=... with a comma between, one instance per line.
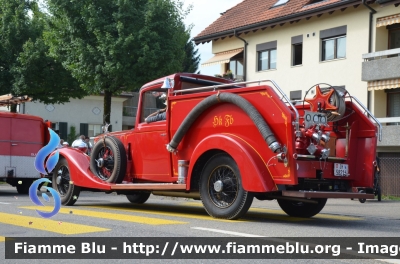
x=148, y=186
x=316, y=194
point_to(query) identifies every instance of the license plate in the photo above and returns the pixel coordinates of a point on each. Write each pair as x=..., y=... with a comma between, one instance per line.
x=341, y=170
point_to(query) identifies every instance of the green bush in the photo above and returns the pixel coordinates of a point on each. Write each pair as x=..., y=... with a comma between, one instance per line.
x=72, y=135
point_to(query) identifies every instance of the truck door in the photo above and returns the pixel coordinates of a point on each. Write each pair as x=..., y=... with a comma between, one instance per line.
x=26, y=140
x=5, y=146
x=151, y=160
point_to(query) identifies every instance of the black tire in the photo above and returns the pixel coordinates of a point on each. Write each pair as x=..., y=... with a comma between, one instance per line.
x=23, y=188
x=108, y=160
x=300, y=209
x=230, y=200
x=61, y=182
x=138, y=197
x=379, y=193
x=362, y=200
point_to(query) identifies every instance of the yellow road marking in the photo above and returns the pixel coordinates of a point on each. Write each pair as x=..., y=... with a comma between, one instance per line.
x=2, y=239
x=111, y=216
x=44, y=224
x=280, y=212
x=184, y=215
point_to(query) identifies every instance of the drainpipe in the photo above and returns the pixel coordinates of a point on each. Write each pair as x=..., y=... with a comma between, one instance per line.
x=244, y=55
x=371, y=14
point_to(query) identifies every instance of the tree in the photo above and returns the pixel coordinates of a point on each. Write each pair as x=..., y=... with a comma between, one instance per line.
x=25, y=67
x=117, y=45
x=192, y=60
x=14, y=32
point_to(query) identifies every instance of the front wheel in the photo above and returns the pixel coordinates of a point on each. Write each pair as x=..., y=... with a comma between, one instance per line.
x=301, y=209
x=221, y=189
x=62, y=183
x=138, y=197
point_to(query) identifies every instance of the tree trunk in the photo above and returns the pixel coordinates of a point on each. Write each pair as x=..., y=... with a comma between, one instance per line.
x=107, y=106
x=13, y=108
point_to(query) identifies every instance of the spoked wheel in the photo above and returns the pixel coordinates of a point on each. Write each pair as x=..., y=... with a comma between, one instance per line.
x=138, y=197
x=108, y=160
x=221, y=189
x=301, y=209
x=69, y=193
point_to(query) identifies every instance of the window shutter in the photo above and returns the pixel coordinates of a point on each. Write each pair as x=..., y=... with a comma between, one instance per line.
x=63, y=127
x=84, y=129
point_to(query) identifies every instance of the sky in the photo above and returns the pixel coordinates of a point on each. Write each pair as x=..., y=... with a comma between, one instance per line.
x=205, y=12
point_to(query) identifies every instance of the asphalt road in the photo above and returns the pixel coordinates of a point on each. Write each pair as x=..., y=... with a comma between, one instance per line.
x=111, y=215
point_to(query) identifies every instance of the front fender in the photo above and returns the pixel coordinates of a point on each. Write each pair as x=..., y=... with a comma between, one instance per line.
x=79, y=170
x=253, y=169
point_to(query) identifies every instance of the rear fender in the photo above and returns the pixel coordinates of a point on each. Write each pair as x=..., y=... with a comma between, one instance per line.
x=79, y=169
x=253, y=169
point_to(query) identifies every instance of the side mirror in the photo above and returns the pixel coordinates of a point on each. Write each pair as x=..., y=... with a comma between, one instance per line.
x=168, y=84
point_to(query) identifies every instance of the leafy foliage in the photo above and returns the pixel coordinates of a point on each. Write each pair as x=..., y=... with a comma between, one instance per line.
x=192, y=59
x=25, y=67
x=72, y=135
x=117, y=45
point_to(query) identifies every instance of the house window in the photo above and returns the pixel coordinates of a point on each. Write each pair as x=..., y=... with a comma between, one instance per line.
x=393, y=101
x=236, y=67
x=394, y=37
x=334, y=48
x=295, y=95
x=297, y=50
x=94, y=130
x=266, y=56
x=333, y=43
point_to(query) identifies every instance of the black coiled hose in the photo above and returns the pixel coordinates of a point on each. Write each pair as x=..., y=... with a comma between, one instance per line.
x=237, y=100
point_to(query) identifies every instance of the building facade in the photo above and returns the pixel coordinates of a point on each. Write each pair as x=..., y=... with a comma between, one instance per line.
x=85, y=115
x=300, y=43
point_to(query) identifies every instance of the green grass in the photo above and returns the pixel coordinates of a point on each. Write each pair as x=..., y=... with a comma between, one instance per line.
x=390, y=197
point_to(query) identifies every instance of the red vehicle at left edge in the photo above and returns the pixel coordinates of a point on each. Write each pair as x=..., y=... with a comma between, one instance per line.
x=21, y=138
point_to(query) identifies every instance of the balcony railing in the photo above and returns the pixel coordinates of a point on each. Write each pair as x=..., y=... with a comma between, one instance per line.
x=381, y=54
x=389, y=120
x=390, y=132
x=381, y=65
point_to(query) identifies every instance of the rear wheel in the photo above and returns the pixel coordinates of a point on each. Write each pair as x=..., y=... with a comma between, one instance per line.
x=23, y=188
x=69, y=193
x=108, y=160
x=138, y=197
x=301, y=209
x=379, y=193
x=221, y=189
x=362, y=200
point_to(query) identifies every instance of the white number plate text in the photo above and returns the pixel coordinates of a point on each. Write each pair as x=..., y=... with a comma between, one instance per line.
x=341, y=170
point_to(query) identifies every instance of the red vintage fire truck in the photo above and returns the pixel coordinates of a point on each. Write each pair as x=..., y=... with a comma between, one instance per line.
x=21, y=137
x=227, y=143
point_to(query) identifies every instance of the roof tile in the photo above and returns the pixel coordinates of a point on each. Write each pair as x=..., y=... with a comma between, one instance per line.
x=250, y=12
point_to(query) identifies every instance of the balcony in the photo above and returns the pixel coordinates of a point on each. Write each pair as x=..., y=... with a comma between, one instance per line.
x=381, y=65
x=390, y=132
